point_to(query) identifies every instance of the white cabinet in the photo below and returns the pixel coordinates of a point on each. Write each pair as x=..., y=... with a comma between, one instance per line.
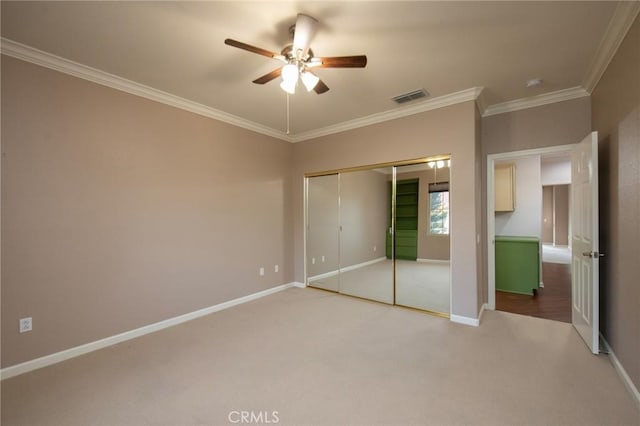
x=504, y=189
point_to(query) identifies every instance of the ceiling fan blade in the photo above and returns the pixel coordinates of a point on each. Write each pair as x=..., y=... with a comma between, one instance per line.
x=306, y=27
x=359, y=61
x=268, y=77
x=249, y=48
x=321, y=88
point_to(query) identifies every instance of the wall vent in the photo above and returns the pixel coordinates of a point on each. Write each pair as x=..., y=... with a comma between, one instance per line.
x=411, y=96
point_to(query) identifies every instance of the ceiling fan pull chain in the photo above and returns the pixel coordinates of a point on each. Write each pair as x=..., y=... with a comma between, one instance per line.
x=288, y=130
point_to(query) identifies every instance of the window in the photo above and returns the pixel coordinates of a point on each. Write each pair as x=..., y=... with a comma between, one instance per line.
x=439, y=208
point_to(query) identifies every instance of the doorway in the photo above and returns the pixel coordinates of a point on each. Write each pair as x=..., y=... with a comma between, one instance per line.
x=529, y=254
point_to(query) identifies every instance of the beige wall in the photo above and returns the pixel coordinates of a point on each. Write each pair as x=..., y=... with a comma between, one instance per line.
x=451, y=130
x=547, y=214
x=616, y=117
x=548, y=125
x=434, y=247
x=118, y=212
x=561, y=210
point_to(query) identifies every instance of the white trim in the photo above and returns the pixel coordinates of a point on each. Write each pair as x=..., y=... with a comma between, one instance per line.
x=298, y=284
x=475, y=322
x=535, y=151
x=491, y=223
x=436, y=261
x=57, y=63
x=628, y=383
x=534, y=101
x=428, y=105
x=54, y=358
x=346, y=269
x=481, y=103
x=623, y=18
x=363, y=264
x=323, y=275
x=482, y=309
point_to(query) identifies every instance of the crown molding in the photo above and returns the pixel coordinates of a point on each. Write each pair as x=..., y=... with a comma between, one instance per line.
x=623, y=17
x=35, y=56
x=427, y=105
x=534, y=101
x=481, y=103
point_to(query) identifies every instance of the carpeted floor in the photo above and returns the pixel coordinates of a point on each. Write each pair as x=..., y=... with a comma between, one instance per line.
x=421, y=285
x=319, y=358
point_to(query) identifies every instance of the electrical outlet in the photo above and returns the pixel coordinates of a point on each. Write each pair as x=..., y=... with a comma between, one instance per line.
x=322, y=259
x=261, y=271
x=375, y=248
x=26, y=324
x=276, y=268
x=313, y=260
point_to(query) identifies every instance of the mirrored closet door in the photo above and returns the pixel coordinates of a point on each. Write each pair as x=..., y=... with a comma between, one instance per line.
x=382, y=233
x=365, y=270
x=422, y=236
x=323, y=232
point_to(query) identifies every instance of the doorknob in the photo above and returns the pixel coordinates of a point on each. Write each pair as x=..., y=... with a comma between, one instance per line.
x=592, y=254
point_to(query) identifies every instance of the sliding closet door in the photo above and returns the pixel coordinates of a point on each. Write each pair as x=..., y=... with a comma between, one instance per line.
x=422, y=236
x=323, y=227
x=365, y=271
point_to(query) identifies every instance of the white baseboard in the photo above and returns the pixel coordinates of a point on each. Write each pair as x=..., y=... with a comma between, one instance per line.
x=631, y=387
x=299, y=284
x=436, y=261
x=346, y=269
x=475, y=322
x=484, y=306
x=54, y=358
x=363, y=264
x=323, y=275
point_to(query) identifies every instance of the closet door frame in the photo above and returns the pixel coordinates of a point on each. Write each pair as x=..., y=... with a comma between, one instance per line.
x=338, y=172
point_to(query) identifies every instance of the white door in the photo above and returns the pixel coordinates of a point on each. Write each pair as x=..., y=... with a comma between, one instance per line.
x=584, y=240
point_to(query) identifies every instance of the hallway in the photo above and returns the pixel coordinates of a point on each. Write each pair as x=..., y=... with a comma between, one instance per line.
x=552, y=302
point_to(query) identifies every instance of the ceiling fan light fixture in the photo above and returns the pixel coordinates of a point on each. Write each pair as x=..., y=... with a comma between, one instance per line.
x=290, y=73
x=309, y=80
x=289, y=86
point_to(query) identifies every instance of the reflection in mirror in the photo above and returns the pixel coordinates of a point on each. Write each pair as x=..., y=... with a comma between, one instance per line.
x=323, y=232
x=365, y=271
x=422, y=236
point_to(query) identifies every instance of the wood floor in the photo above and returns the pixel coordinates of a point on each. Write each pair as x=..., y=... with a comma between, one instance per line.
x=552, y=302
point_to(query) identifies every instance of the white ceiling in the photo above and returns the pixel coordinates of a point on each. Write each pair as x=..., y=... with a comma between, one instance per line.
x=443, y=47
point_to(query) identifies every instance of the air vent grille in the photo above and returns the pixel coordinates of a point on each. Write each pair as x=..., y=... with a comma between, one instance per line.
x=411, y=96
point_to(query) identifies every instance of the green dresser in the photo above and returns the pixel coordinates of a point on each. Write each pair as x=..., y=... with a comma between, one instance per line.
x=517, y=264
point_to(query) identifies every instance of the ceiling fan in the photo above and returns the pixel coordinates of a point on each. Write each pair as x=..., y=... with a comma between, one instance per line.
x=299, y=59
